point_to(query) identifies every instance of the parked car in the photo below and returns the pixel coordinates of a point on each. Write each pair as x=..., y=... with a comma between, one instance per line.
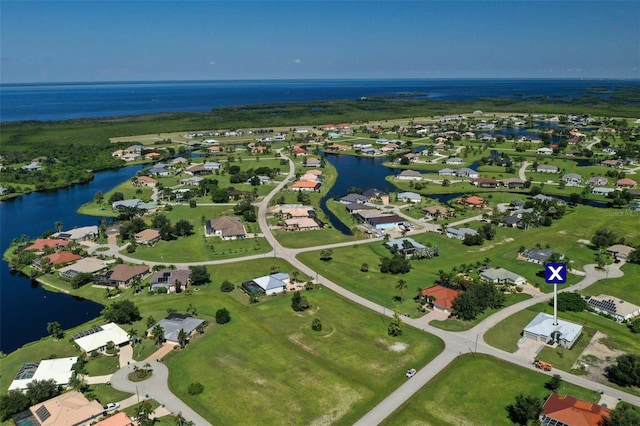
x=111, y=406
x=411, y=372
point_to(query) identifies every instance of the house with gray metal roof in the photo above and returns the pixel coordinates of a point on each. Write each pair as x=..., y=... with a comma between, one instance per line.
x=502, y=276
x=176, y=322
x=542, y=329
x=460, y=233
x=268, y=284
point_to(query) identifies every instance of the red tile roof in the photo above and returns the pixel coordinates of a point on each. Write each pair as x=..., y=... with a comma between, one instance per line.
x=62, y=257
x=443, y=296
x=41, y=243
x=574, y=411
x=474, y=200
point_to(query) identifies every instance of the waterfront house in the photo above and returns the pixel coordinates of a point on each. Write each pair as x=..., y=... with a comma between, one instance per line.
x=145, y=181
x=68, y=409
x=626, y=183
x=467, y=172
x=485, y=182
x=544, y=151
x=122, y=275
x=168, y=278
x=305, y=186
x=410, y=197
x=97, y=338
x=572, y=179
x=409, y=175
x=597, y=181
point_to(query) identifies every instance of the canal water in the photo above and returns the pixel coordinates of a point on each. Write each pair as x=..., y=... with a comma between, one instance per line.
x=25, y=307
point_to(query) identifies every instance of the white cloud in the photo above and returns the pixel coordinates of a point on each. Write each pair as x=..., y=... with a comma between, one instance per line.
x=212, y=62
x=297, y=61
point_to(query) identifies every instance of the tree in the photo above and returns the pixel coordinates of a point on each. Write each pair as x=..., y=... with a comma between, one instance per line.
x=41, y=390
x=12, y=403
x=401, y=286
x=364, y=267
x=465, y=306
x=116, y=196
x=158, y=334
x=395, y=326
x=604, y=238
x=183, y=228
x=226, y=286
x=395, y=265
x=133, y=336
x=123, y=312
x=199, y=275
x=316, y=324
x=554, y=383
x=634, y=326
x=570, y=301
x=326, y=255
x=223, y=316
x=622, y=415
x=525, y=408
x=626, y=371
x=195, y=388
x=54, y=329
x=299, y=303
x=183, y=338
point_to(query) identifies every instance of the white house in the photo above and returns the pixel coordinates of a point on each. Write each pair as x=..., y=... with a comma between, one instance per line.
x=409, y=175
x=411, y=197
x=59, y=370
x=97, y=338
x=544, y=151
x=502, y=276
x=268, y=284
x=617, y=308
x=543, y=329
x=454, y=160
x=460, y=233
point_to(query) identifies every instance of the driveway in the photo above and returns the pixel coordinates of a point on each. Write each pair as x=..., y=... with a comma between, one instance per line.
x=155, y=387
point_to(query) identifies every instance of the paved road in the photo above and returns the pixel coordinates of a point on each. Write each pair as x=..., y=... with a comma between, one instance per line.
x=156, y=388
x=455, y=343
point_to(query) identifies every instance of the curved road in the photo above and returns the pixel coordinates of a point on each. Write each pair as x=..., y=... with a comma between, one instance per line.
x=456, y=343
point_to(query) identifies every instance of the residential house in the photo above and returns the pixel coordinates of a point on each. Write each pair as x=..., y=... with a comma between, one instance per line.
x=97, y=338
x=68, y=409
x=513, y=183
x=440, y=297
x=410, y=197
x=174, y=324
x=619, y=309
x=568, y=410
x=538, y=255
x=197, y=170
x=167, y=278
x=378, y=220
x=268, y=284
x=547, y=168
x=145, y=181
x=436, y=212
x=544, y=151
x=41, y=243
x=460, y=233
x=353, y=198
x=191, y=181
x=178, y=161
x=305, y=186
x=33, y=167
x=446, y=172
x=454, y=160
x=354, y=208
x=56, y=259
x=620, y=252
x=59, y=370
x=597, y=181
x=405, y=246
x=147, y=237
x=225, y=227
x=312, y=162
x=467, y=172
x=409, y=175
x=262, y=180
x=211, y=165
x=90, y=265
x=83, y=233
x=473, y=201
x=122, y=275
x=152, y=156
x=118, y=419
x=159, y=170
x=543, y=329
x=572, y=179
x=599, y=190
x=511, y=221
x=485, y=182
x=626, y=183
x=612, y=163
x=502, y=276
x=301, y=224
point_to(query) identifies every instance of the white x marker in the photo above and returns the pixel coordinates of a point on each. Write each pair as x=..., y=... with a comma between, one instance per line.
x=555, y=273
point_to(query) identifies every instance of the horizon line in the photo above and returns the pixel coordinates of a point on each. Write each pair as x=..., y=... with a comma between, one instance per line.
x=107, y=82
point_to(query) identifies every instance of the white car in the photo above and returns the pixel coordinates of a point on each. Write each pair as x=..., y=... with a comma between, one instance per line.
x=111, y=406
x=411, y=372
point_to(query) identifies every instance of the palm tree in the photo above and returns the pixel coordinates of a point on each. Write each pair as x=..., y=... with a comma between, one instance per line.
x=183, y=338
x=401, y=286
x=158, y=334
x=295, y=274
x=133, y=335
x=58, y=226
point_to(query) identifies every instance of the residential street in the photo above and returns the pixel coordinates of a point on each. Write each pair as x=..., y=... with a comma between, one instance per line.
x=456, y=343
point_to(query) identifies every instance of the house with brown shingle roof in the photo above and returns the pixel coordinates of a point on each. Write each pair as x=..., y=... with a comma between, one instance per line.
x=122, y=275
x=568, y=410
x=69, y=409
x=225, y=227
x=626, y=183
x=147, y=236
x=145, y=181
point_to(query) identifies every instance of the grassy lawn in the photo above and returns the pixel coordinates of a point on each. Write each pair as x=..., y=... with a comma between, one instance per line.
x=106, y=394
x=625, y=287
x=332, y=376
x=454, y=324
x=102, y=365
x=473, y=390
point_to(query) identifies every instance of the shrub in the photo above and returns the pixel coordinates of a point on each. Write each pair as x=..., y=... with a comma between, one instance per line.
x=226, y=286
x=223, y=316
x=195, y=388
x=316, y=324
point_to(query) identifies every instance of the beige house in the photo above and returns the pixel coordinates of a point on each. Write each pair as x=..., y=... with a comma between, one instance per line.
x=69, y=409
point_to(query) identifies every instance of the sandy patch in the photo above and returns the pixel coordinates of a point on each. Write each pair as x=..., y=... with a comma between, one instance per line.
x=585, y=242
x=336, y=404
x=296, y=339
x=398, y=347
x=596, y=357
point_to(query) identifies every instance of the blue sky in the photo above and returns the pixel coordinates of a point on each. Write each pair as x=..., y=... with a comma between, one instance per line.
x=209, y=40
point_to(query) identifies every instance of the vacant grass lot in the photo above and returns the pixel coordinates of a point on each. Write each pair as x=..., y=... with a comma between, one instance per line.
x=270, y=362
x=473, y=390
